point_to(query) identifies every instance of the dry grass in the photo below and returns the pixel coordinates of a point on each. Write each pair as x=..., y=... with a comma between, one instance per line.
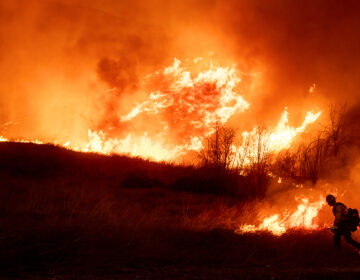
x=77, y=220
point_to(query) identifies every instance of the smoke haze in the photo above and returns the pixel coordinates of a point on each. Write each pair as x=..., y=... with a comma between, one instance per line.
x=70, y=66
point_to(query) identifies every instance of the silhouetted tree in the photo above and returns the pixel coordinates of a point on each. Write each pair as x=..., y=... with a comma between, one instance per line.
x=218, y=151
x=256, y=168
x=337, y=130
x=311, y=161
x=313, y=158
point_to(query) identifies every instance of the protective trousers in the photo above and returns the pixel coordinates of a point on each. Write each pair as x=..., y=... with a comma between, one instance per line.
x=347, y=236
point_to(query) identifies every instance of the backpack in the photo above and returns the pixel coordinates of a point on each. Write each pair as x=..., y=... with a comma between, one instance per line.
x=354, y=219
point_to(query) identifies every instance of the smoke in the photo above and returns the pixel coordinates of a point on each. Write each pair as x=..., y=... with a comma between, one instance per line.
x=297, y=44
x=118, y=74
x=59, y=61
x=67, y=66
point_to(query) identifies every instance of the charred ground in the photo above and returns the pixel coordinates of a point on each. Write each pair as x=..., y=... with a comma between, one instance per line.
x=65, y=215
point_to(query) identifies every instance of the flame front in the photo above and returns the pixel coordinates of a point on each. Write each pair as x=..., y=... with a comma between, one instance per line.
x=302, y=218
x=194, y=104
x=195, y=97
x=184, y=108
x=283, y=134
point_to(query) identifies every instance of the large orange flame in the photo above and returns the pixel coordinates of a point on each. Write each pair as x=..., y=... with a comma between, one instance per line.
x=208, y=98
x=189, y=106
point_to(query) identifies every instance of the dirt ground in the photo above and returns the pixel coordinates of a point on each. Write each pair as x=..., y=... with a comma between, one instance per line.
x=206, y=272
x=177, y=255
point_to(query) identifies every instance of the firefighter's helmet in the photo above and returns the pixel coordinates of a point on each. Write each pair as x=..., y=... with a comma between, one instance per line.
x=330, y=199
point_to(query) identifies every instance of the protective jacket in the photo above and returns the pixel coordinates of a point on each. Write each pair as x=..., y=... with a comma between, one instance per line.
x=340, y=212
x=342, y=226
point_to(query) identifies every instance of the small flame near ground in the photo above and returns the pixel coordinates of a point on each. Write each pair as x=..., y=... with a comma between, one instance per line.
x=279, y=223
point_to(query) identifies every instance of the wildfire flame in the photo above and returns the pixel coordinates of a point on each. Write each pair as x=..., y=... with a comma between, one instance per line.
x=283, y=134
x=274, y=140
x=189, y=106
x=302, y=218
x=207, y=98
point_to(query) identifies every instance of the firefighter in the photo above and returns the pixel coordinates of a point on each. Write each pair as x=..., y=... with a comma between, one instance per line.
x=341, y=225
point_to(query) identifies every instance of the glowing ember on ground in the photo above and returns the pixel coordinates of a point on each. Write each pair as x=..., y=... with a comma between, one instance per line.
x=302, y=218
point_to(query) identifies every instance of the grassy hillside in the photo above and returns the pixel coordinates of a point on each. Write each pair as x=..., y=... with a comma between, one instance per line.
x=72, y=215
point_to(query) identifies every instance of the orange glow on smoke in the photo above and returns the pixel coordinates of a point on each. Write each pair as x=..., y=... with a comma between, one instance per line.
x=278, y=223
x=189, y=106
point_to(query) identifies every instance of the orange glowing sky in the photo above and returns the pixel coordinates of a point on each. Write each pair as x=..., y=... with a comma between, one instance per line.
x=72, y=68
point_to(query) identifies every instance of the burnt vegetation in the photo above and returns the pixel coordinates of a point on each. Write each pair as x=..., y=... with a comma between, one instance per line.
x=70, y=214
